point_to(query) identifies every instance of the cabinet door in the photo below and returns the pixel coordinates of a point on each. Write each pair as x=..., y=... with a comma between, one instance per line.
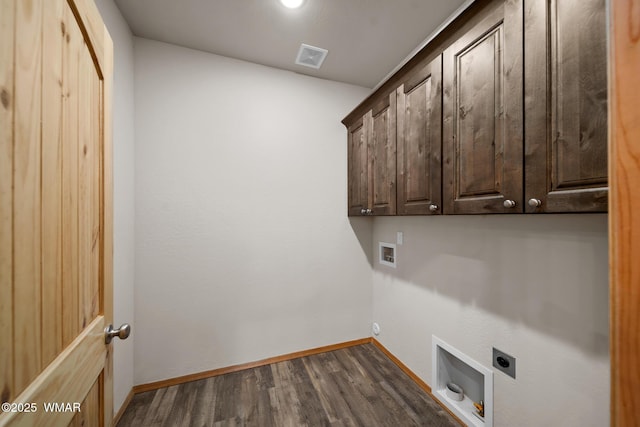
x=419, y=118
x=566, y=105
x=357, y=159
x=482, y=123
x=382, y=156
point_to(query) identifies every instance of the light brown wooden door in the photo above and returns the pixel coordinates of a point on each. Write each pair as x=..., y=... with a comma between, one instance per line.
x=419, y=122
x=482, y=123
x=566, y=106
x=55, y=214
x=624, y=221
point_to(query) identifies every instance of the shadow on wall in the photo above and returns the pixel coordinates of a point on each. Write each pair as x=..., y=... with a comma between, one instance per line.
x=363, y=229
x=547, y=272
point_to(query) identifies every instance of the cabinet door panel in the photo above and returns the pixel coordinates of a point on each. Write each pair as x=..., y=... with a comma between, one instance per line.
x=479, y=123
x=357, y=169
x=482, y=80
x=420, y=141
x=382, y=157
x=566, y=108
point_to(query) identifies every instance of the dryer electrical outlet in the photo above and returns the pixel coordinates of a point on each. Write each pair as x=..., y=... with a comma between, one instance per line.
x=504, y=362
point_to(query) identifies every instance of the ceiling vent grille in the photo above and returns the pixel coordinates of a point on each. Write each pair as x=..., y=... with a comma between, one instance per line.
x=311, y=56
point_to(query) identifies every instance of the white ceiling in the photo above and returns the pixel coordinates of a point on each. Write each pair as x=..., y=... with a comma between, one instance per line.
x=366, y=39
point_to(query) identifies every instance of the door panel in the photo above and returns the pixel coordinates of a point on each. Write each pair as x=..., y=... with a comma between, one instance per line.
x=479, y=120
x=88, y=229
x=55, y=211
x=420, y=142
x=26, y=188
x=7, y=46
x=90, y=408
x=482, y=125
x=357, y=169
x=67, y=380
x=71, y=53
x=382, y=157
x=52, y=213
x=566, y=137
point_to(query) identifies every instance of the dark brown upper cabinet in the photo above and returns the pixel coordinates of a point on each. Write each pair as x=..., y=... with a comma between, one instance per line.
x=483, y=122
x=372, y=161
x=358, y=169
x=419, y=121
x=510, y=117
x=565, y=106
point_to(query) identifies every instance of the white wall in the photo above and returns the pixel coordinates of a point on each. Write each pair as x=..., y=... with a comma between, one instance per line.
x=123, y=195
x=243, y=246
x=535, y=287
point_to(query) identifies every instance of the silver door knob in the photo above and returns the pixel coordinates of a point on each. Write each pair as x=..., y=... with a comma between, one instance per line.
x=363, y=211
x=122, y=332
x=433, y=208
x=369, y=211
x=509, y=204
x=535, y=203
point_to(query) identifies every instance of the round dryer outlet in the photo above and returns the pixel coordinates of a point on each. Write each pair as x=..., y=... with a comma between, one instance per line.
x=376, y=328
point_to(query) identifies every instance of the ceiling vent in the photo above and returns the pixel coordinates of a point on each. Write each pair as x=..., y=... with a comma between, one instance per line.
x=311, y=56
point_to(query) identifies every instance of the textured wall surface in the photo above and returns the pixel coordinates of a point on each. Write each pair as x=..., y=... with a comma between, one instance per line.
x=535, y=287
x=243, y=247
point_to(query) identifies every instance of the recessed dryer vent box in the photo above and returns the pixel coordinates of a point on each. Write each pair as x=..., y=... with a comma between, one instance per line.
x=387, y=254
x=451, y=366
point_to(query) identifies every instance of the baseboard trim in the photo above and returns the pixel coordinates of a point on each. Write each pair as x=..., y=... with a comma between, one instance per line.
x=241, y=367
x=402, y=366
x=296, y=355
x=123, y=407
x=424, y=386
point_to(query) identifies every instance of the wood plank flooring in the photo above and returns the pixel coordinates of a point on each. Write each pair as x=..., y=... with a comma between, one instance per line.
x=355, y=386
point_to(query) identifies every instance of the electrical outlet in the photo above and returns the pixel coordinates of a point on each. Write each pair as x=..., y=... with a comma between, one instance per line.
x=376, y=328
x=504, y=362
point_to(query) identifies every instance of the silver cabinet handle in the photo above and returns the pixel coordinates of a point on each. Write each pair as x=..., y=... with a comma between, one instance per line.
x=369, y=211
x=433, y=207
x=509, y=204
x=363, y=211
x=535, y=203
x=122, y=332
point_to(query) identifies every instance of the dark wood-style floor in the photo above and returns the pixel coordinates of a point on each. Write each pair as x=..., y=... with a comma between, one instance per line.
x=356, y=386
